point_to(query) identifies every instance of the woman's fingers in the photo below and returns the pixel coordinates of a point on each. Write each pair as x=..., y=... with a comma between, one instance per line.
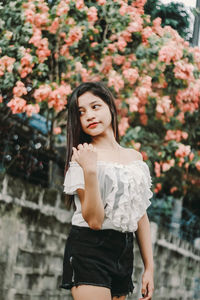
x=150, y=290
x=85, y=145
x=144, y=288
x=80, y=146
x=147, y=290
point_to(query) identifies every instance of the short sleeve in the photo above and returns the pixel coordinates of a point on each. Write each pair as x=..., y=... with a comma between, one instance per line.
x=74, y=179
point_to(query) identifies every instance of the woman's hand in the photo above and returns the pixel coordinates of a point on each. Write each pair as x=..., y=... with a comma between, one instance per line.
x=86, y=156
x=147, y=285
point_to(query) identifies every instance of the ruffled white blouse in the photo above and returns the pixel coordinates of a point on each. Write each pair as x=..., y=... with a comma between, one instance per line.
x=125, y=191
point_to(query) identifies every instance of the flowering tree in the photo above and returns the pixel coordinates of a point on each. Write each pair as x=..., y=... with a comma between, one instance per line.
x=47, y=49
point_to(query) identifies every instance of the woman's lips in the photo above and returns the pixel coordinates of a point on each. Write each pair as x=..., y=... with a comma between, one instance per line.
x=93, y=125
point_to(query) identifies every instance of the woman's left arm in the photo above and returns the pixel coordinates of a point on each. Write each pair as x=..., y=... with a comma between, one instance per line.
x=143, y=235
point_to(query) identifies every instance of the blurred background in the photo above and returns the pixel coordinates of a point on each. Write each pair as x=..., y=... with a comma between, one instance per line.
x=147, y=52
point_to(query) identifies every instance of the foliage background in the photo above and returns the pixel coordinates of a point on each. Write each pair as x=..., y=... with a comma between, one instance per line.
x=48, y=48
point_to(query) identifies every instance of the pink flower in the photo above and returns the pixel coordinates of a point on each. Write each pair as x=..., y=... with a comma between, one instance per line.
x=171, y=162
x=30, y=14
x=196, y=54
x=101, y=2
x=176, y=135
x=143, y=119
x=112, y=47
x=26, y=60
x=157, y=169
x=135, y=26
x=94, y=44
x=170, y=52
x=17, y=105
x=131, y=75
x=92, y=14
x=32, y=109
x=119, y=59
x=85, y=75
x=142, y=93
x=197, y=165
x=157, y=26
x=116, y=81
x=184, y=135
x=1, y=98
x=64, y=51
x=133, y=103
x=54, y=26
x=146, y=33
x=79, y=4
x=75, y=35
x=123, y=9
x=191, y=156
x=121, y=44
x=36, y=38
x=184, y=70
x=163, y=104
x=188, y=99
x=173, y=189
x=165, y=166
x=58, y=97
x=43, y=7
x=144, y=155
x=43, y=54
x=42, y=93
x=91, y=64
x=123, y=126
x=26, y=63
x=62, y=8
x=6, y=63
x=106, y=64
x=57, y=130
x=181, y=117
x=183, y=150
x=19, y=89
x=158, y=187
x=40, y=19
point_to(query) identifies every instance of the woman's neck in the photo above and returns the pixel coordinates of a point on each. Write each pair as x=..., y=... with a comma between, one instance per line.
x=106, y=144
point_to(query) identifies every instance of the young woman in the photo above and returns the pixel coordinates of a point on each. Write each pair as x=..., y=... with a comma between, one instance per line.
x=111, y=189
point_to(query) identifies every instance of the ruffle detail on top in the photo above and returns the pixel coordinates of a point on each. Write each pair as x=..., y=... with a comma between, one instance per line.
x=134, y=200
x=74, y=179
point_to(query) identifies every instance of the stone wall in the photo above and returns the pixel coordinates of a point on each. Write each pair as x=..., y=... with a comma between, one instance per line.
x=34, y=224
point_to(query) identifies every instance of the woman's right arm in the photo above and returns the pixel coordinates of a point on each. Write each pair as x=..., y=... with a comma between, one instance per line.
x=90, y=198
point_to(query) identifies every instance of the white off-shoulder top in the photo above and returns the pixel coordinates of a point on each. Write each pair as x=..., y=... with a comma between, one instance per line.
x=125, y=192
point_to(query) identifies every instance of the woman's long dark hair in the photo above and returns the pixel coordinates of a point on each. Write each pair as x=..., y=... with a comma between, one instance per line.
x=75, y=134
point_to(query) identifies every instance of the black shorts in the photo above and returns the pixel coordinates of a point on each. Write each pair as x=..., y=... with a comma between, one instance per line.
x=99, y=258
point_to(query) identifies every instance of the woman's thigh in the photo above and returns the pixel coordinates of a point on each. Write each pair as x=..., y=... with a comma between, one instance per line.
x=90, y=292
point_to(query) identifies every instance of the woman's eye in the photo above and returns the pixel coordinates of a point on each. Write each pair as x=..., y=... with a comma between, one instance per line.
x=80, y=112
x=96, y=105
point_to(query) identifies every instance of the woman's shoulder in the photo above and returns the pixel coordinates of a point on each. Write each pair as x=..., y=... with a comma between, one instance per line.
x=132, y=154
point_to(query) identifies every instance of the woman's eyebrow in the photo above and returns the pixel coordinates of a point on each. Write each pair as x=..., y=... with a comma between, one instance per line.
x=90, y=104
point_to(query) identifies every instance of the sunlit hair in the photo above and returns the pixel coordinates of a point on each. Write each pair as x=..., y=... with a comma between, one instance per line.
x=75, y=134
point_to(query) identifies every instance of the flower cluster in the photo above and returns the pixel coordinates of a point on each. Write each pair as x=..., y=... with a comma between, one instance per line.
x=153, y=73
x=39, y=21
x=6, y=64
x=55, y=95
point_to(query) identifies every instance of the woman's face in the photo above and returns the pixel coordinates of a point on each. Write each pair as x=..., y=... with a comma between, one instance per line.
x=95, y=116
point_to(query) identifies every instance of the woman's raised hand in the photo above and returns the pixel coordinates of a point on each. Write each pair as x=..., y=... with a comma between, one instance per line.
x=86, y=156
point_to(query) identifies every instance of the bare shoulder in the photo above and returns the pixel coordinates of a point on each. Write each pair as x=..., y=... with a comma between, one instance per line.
x=133, y=154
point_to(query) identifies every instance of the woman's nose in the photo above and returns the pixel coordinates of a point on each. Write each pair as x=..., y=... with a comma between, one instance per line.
x=90, y=114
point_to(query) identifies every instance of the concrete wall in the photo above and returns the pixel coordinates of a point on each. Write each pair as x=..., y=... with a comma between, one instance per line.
x=34, y=224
